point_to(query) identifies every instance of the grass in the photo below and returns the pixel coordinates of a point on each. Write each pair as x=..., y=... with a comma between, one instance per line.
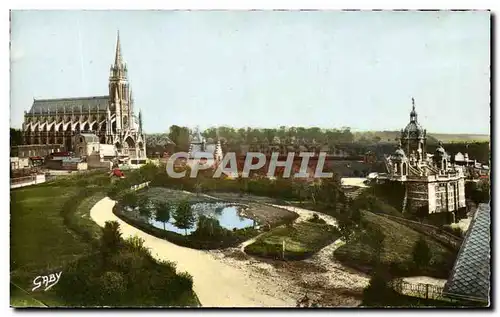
x=39, y=238
x=397, y=254
x=301, y=241
x=51, y=229
x=40, y=242
x=174, y=195
x=21, y=298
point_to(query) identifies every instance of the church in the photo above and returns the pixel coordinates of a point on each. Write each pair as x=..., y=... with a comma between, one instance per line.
x=59, y=123
x=429, y=179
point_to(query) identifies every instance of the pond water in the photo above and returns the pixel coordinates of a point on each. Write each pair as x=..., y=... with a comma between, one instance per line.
x=226, y=213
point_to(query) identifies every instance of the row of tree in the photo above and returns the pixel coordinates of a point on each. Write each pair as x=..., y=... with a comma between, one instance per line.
x=162, y=211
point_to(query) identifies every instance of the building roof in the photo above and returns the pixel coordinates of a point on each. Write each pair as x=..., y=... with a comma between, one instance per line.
x=107, y=150
x=471, y=275
x=89, y=137
x=70, y=104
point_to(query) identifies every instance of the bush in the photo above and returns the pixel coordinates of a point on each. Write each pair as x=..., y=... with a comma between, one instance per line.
x=456, y=231
x=111, y=236
x=128, y=276
x=378, y=289
x=421, y=253
x=316, y=219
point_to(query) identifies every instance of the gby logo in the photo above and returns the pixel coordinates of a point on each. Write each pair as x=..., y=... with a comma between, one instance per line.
x=46, y=280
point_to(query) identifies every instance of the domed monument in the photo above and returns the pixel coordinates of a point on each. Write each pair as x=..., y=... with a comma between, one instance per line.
x=429, y=179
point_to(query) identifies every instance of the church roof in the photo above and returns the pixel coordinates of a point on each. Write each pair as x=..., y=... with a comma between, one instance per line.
x=70, y=104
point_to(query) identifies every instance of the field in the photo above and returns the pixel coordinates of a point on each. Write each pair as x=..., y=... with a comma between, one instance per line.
x=301, y=241
x=397, y=254
x=51, y=232
x=40, y=241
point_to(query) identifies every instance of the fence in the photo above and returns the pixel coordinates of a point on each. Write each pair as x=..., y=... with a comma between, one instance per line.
x=140, y=186
x=420, y=290
x=27, y=180
x=442, y=236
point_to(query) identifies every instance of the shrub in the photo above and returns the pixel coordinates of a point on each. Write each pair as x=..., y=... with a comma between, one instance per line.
x=316, y=219
x=111, y=236
x=129, y=199
x=453, y=230
x=136, y=244
x=113, y=286
x=421, y=254
x=377, y=290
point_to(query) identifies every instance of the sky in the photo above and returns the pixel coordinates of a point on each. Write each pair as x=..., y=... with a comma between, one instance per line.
x=328, y=69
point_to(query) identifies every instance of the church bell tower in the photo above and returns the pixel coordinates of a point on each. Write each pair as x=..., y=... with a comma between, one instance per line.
x=119, y=95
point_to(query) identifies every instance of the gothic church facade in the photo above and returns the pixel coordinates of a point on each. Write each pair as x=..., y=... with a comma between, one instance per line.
x=111, y=118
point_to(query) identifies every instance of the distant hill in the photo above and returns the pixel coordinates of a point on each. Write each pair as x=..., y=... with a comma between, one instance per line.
x=392, y=137
x=449, y=138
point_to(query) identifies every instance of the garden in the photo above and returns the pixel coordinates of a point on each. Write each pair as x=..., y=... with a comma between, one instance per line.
x=295, y=241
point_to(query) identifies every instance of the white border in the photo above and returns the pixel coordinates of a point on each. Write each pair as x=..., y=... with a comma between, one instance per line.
x=190, y=4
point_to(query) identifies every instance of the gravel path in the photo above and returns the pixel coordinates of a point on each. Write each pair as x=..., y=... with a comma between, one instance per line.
x=216, y=283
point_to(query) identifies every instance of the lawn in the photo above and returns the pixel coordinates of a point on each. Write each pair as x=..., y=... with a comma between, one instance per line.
x=397, y=254
x=51, y=230
x=301, y=241
x=40, y=242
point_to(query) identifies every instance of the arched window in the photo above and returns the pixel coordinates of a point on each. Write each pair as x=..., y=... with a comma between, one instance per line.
x=405, y=169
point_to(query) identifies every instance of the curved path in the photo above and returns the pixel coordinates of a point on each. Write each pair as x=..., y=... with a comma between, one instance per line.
x=216, y=284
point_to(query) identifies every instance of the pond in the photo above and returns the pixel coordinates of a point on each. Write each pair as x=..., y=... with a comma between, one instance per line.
x=226, y=213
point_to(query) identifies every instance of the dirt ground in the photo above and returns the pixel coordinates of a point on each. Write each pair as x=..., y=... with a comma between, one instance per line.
x=321, y=277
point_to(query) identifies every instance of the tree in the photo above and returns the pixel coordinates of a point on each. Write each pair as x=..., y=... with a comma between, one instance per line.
x=129, y=199
x=180, y=136
x=374, y=238
x=16, y=138
x=421, y=253
x=162, y=212
x=376, y=292
x=144, y=204
x=210, y=227
x=111, y=236
x=422, y=212
x=184, y=216
x=299, y=188
x=346, y=228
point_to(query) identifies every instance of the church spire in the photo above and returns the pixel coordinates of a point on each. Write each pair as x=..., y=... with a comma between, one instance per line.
x=118, y=53
x=413, y=113
x=140, y=121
